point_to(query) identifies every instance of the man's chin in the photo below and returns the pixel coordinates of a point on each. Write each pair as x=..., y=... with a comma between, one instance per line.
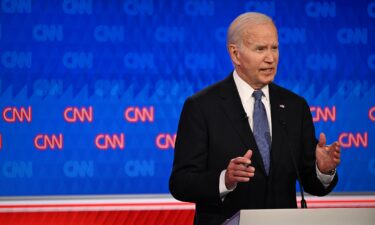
x=269, y=80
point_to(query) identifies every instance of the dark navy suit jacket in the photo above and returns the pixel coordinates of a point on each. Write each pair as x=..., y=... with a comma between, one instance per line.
x=214, y=129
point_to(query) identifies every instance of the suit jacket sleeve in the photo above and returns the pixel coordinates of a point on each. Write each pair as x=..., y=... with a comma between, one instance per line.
x=191, y=179
x=307, y=166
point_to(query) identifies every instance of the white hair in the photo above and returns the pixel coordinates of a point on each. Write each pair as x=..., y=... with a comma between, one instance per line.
x=237, y=27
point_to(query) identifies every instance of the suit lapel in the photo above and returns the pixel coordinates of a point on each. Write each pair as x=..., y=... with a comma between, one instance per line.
x=278, y=108
x=232, y=106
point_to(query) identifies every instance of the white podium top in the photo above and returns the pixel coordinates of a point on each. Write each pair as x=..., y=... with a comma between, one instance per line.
x=347, y=216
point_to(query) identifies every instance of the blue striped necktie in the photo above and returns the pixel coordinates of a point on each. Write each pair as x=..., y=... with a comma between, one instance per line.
x=261, y=129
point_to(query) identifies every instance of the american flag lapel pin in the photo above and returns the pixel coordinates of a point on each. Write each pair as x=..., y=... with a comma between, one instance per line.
x=282, y=106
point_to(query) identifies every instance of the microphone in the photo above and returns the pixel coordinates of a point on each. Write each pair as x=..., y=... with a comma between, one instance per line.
x=303, y=201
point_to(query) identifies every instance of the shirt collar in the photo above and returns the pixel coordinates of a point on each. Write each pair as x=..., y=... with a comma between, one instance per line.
x=245, y=90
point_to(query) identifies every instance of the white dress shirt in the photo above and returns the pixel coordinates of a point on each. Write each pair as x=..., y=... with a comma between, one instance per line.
x=245, y=91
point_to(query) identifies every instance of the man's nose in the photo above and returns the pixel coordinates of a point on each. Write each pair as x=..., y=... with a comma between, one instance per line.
x=269, y=57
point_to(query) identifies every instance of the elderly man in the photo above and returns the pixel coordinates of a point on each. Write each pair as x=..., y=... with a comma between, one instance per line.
x=242, y=142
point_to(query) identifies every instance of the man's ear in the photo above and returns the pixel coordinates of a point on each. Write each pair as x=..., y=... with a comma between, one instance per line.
x=234, y=53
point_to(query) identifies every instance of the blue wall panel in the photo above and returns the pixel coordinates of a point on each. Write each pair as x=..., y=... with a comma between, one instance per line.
x=91, y=91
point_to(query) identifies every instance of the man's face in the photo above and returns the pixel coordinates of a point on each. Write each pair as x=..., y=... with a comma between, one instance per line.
x=257, y=57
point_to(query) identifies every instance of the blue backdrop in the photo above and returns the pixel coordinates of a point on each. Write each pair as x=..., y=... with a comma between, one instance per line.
x=91, y=91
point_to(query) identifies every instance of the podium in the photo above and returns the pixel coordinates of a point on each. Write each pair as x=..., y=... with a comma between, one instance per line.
x=331, y=216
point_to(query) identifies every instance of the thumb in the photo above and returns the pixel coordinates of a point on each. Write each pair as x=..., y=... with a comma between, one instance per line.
x=322, y=140
x=248, y=154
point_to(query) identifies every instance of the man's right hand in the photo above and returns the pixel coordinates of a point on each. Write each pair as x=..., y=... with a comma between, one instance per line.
x=239, y=170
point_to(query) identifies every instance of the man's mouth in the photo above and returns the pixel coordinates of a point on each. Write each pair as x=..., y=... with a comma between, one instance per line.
x=267, y=70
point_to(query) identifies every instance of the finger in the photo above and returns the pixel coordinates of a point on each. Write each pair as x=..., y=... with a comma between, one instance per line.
x=241, y=160
x=242, y=174
x=336, y=144
x=238, y=167
x=330, y=149
x=241, y=179
x=334, y=150
x=337, y=147
x=235, y=175
x=248, y=172
x=244, y=159
x=248, y=154
x=322, y=140
x=248, y=169
x=337, y=155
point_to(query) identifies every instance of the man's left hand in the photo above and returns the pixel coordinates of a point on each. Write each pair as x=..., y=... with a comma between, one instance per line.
x=327, y=156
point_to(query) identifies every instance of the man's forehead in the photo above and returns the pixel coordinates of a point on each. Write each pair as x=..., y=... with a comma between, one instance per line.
x=253, y=28
x=253, y=35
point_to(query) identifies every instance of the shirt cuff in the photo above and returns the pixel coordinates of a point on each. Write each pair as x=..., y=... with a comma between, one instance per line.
x=325, y=179
x=222, y=187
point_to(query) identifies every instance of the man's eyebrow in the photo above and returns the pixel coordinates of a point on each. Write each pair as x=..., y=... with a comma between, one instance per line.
x=260, y=45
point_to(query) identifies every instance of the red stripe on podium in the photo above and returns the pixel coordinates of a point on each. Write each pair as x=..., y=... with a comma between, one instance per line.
x=172, y=217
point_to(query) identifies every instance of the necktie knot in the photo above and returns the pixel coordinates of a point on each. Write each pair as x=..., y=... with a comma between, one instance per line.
x=257, y=94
